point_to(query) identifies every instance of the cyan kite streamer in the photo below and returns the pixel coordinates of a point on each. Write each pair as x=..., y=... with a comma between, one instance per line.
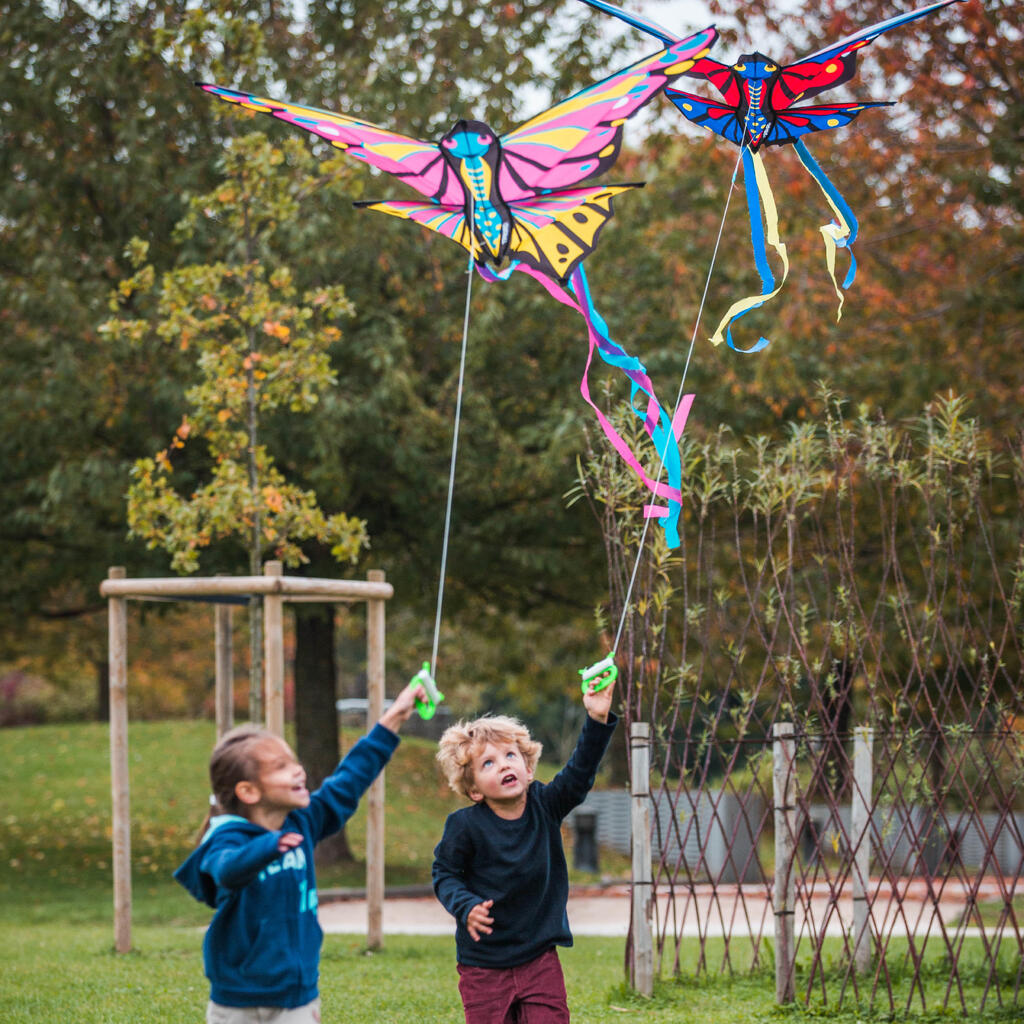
x=663, y=429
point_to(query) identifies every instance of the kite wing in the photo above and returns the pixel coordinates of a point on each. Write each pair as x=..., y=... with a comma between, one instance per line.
x=581, y=136
x=786, y=126
x=447, y=219
x=551, y=233
x=791, y=124
x=721, y=118
x=824, y=69
x=419, y=164
x=555, y=231
x=837, y=63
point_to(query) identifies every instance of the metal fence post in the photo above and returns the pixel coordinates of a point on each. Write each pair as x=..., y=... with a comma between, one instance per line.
x=860, y=826
x=641, y=967
x=784, y=891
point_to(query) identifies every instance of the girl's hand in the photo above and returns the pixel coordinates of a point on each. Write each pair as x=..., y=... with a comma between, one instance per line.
x=479, y=920
x=288, y=841
x=403, y=706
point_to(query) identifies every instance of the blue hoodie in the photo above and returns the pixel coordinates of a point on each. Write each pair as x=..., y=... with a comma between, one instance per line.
x=263, y=946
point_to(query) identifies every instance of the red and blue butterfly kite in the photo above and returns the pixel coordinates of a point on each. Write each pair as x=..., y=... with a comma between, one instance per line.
x=516, y=202
x=760, y=109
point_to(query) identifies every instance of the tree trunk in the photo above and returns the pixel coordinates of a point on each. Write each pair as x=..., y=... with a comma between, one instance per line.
x=316, y=719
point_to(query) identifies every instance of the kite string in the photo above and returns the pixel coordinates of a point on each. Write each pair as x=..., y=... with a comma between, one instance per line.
x=455, y=441
x=679, y=398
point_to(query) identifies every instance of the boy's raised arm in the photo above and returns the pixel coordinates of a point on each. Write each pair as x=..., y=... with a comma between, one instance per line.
x=569, y=788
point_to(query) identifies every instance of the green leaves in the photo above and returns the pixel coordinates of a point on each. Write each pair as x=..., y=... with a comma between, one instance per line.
x=854, y=542
x=227, y=506
x=256, y=350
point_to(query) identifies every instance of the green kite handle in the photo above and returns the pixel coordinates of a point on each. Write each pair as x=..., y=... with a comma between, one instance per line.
x=427, y=708
x=599, y=675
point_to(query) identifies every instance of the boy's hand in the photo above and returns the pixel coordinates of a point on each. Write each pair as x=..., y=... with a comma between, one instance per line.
x=599, y=704
x=479, y=920
x=403, y=706
x=288, y=841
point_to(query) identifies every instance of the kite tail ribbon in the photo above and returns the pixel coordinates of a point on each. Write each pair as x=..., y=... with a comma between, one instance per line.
x=663, y=429
x=842, y=232
x=759, y=197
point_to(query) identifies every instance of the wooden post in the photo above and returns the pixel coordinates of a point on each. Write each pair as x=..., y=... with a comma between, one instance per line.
x=784, y=893
x=276, y=588
x=642, y=959
x=120, y=792
x=375, y=794
x=860, y=826
x=224, y=685
x=273, y=653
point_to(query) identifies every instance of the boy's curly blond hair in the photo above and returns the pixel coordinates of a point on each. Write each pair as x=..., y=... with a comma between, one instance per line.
x=461, y=742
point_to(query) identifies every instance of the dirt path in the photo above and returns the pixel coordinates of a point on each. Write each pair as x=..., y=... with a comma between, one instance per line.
x=729, y=910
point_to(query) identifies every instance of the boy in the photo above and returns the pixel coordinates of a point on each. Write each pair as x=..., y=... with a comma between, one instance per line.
x=500, y=868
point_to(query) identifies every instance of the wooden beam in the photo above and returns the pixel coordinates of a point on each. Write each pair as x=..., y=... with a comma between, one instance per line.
x=642, y=948
x=120, y=791
x=278, y=588
x=273, y=653
x=860, y=826
x=375, y=795
x=287, y=586
x=784, y=890
x=224, y=675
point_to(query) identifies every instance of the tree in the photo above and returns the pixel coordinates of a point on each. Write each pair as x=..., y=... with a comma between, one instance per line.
x=114, y=85
x=101, y=135
x=258, y=354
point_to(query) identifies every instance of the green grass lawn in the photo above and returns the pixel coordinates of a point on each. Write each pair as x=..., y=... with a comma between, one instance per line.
x=53, y=974
x=56, y=905
x=991, y=912
x=71, y=975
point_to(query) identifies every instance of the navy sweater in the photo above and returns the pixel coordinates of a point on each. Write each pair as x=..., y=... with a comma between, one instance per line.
x=263, y=946
x=520, y=864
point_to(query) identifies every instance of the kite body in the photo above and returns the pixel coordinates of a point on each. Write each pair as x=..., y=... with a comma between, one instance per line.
x=759, y=95
x=519, y=202
x=498, y=216
x=760, y=108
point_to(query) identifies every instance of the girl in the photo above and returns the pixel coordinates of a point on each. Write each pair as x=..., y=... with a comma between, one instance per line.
x=254, y=865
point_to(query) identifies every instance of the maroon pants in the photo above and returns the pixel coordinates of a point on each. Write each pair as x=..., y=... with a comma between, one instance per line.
x=532, y=993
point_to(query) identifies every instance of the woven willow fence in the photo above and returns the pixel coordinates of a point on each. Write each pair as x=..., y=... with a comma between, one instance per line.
x=860, y=586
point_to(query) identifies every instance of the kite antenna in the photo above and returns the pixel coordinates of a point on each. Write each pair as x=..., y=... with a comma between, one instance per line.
x=455, y=440
x=679, y=397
